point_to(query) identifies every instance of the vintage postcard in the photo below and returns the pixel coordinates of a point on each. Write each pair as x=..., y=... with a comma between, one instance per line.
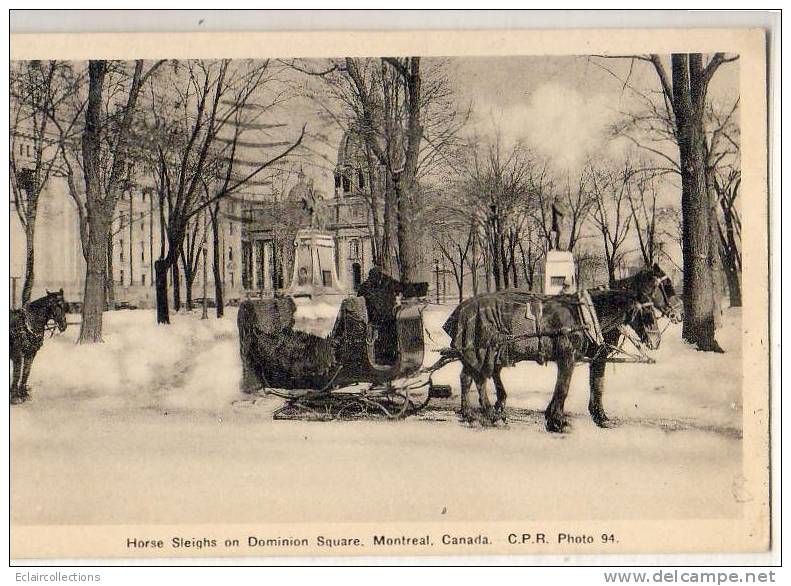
x=375, y=294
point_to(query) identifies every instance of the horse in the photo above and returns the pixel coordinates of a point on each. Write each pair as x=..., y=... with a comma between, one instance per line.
x=488, y=334
x=26, y=328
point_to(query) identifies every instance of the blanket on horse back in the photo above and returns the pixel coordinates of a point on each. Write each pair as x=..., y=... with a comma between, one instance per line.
x=508, y=325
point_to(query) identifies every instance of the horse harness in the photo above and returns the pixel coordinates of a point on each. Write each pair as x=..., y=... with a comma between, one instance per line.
x=590, y=328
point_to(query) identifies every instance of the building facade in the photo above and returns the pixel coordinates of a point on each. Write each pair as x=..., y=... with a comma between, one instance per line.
x=134, y=243
x=137, y=244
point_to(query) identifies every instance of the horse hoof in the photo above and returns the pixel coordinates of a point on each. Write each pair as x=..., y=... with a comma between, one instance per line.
x=602, y=421
x=17, y=400
x=605, y=422
x=558, y=426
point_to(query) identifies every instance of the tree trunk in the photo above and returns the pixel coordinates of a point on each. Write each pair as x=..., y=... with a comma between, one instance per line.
x=495, y=261
x=373, y=188
x=216, y=265
x=461, y=284
x=161, y=288
x=474, y=266
x=94, y=301
x=174, y=269
x=610, y=273
x=487, y=270
x=699, y=323
x=715, y=258
x=189, y=279
x=30, y=256
x=109, y=276
x=734, y=285
x=390, y=236
x=514, y=272
x=504, y=265
x=406, y=182
x=729, y=254
x=98, y=214
x=408, y=234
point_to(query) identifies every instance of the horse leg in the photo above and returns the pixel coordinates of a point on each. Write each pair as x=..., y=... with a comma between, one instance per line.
x=28, y=363
x=595, y=407
x=17, y=366
x=483, y=398
x=465, y=378
x=499, y=406
x=555, y=417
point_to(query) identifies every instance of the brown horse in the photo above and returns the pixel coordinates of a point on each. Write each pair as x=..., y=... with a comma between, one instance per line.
x=492, y=331
x=26, y=328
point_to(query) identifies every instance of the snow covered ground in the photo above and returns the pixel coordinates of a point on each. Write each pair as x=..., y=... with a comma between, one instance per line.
x=150, y=427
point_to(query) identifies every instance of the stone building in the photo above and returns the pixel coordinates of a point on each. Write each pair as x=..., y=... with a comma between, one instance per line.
x=134, y=245
x=58, y=252
x=349, y=214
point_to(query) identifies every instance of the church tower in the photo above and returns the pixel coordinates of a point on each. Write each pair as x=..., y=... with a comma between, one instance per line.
x=350, y=216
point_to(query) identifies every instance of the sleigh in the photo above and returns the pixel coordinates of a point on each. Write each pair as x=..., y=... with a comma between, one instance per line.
x=360, y=370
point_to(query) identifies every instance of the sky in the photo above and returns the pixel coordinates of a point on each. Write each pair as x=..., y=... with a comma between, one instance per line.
x=560, y=107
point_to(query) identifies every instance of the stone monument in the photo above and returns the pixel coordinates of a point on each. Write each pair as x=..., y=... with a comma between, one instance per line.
x=314, y=265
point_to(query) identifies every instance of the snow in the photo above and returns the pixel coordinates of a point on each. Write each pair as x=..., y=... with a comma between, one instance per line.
x=149, y=427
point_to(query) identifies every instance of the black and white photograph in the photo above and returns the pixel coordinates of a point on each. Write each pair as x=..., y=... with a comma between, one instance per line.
x=477, y=294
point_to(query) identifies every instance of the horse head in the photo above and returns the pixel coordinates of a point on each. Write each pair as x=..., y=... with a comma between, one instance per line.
x=642, y=320
x=653, y=285
x=665, y=298
x=56, y=309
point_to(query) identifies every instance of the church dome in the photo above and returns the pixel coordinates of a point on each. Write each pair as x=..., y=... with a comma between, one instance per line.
x=301, y=190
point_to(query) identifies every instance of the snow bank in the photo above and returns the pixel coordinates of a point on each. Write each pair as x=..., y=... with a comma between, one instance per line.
x=141, y=361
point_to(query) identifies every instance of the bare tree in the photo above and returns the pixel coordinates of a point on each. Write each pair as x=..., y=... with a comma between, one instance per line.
x=190, y=254
x=611, y=214
x=101, y=195
x=723, y=175
x=642, y=197
x=453, y=237
x=217, y=254
x=680, y=115
x=578, y=202
x=729, y=231
x=493, y=193
x=41, y=117
x=198, y=124
x=402, y=110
